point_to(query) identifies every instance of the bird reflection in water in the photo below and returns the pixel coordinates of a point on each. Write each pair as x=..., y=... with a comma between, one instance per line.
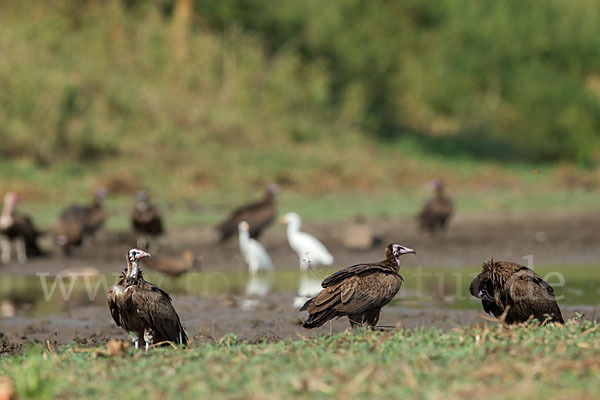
x=258, y=286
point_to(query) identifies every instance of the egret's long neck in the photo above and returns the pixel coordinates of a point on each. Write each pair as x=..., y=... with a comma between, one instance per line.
x=293, y=227
x=244, y=237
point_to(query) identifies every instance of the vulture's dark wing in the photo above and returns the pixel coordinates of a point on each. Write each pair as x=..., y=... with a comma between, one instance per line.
x=348, y=272
x=75, y=212
x=112, y=305
x=441, y=206
x=358, y=293
x=258, y=215
x=149, y=221
x=530, y=295
x=155, y=308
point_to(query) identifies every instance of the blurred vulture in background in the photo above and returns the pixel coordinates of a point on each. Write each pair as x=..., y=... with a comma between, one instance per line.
x=174, y=266
x=514, y=293
x=258, y=215
x=79, y=221
x=360, y=235
x=143, y=309
x=358, y=292
x=435, y=214
x=146, y=219
x=17, y=228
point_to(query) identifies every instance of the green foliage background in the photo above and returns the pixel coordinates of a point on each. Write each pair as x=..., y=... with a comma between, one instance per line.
x=321, y=86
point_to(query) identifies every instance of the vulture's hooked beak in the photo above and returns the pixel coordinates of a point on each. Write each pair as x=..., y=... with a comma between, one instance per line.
x=406, y=250
x=137, y=254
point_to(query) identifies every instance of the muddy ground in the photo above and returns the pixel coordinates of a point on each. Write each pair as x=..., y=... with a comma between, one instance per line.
x=552, y=238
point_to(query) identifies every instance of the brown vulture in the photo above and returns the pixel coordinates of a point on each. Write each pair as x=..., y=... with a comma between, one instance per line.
x=358, y=292
x=143, y=309
x=18, y=228
x=174, y=266
x=437, y=211
x=77, y=221
x=258, y=215
x=145, y=217
x=514, y=293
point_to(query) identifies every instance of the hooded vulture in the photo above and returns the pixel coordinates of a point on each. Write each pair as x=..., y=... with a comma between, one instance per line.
x=358, y=292
x=143, y=309
x=145, y=217
x=258, y=215
x=18, y=228
x=436, y=213
x=514, y=293
x=78, y=221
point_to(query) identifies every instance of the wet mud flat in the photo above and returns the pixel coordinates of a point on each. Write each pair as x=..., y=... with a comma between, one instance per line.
x=251, y=319
x=552, y=238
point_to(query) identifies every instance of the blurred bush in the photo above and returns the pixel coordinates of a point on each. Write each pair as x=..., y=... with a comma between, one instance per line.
x=88, y=79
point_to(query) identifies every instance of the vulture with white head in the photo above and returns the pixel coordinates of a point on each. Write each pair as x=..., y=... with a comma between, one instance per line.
x=143, y=309
x=436, y=213
x=514, y=293
x=358, y=292
x=17, y=228
x=78, y=221
x=258, y=215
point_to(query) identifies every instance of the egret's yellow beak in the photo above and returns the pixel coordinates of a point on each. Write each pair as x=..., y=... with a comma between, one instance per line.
x=282, y=220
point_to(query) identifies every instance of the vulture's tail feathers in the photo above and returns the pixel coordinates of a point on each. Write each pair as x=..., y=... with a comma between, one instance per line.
x=305, y=306
x=317, y=319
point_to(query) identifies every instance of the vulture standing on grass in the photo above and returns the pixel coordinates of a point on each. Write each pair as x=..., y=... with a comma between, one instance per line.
x=514, y=293
x=436, y=213
x=17, y=228
x=143, y=309
x=78, y=221
x=145, y=217
x=258, y=215
x=358, y=292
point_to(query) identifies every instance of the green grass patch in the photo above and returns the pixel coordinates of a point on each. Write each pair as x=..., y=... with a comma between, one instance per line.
x=480, y=361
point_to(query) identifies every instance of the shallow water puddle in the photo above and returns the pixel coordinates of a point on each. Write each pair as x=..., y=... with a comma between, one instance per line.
x=423, y=287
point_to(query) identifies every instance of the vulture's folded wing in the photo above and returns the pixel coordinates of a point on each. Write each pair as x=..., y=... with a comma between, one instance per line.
x=530, y=295
x=155, y=308
x=112, y=305
x=357, y=269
